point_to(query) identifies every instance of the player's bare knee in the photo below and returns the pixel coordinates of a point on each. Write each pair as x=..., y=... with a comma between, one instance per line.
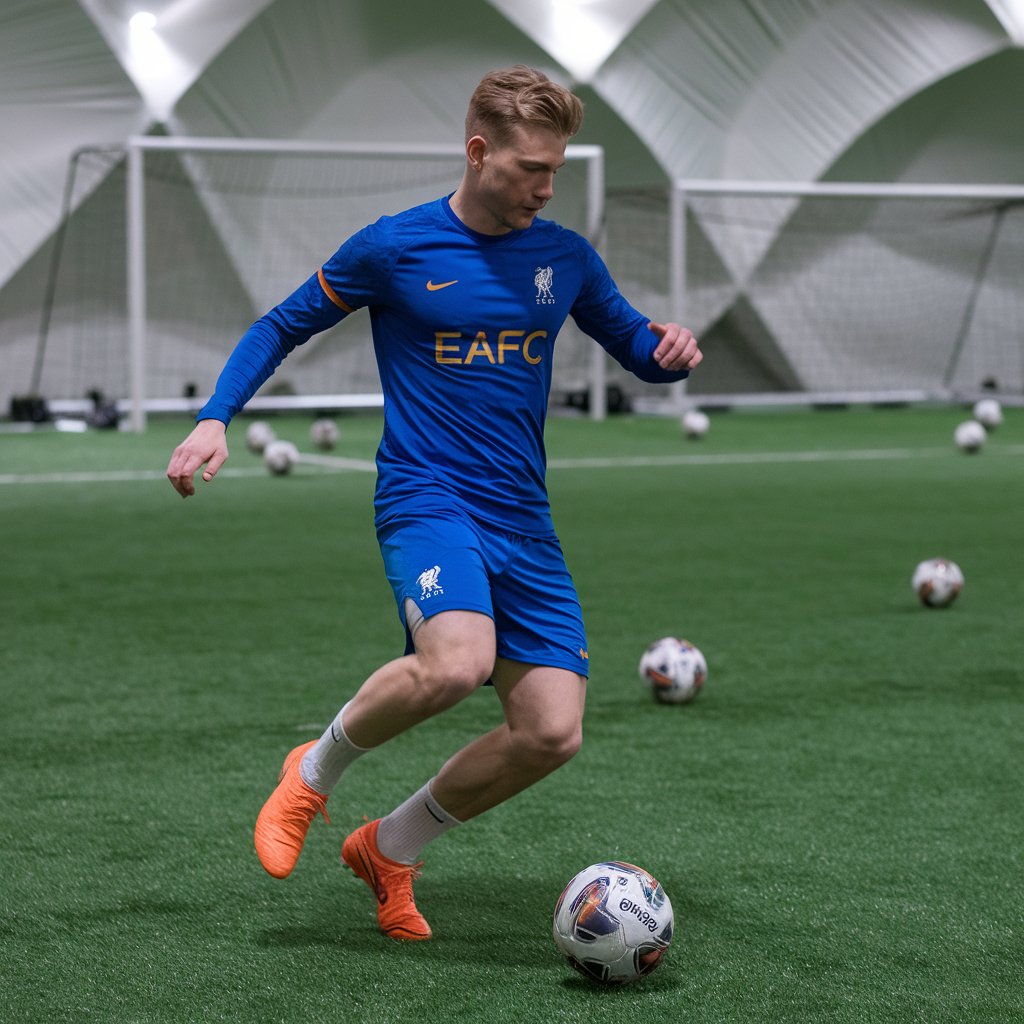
x=443, y=682
x=549, y=746
x=459, y=679
x=569, y=745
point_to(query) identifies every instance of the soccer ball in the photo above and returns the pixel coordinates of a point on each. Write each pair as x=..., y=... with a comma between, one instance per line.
x=695, y=423
x=613, y=922
x=988, y=412
x=280, y=456
x=674, y=669
x=324, y=434
x=257, y=436
x=937, y=581
x=969, y=436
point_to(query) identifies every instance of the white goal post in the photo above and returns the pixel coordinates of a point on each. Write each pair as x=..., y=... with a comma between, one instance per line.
x=840, y=292
x=251, y=209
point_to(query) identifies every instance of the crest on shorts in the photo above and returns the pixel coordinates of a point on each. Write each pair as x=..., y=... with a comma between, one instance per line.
x=542, y=280
x=427, y=580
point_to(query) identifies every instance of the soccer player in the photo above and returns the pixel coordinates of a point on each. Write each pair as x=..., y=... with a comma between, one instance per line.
x=466, y=296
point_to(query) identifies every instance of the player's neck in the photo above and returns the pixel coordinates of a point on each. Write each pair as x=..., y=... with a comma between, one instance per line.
x=473, y=214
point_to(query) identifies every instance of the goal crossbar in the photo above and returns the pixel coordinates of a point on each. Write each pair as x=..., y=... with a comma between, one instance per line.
x=138, y=403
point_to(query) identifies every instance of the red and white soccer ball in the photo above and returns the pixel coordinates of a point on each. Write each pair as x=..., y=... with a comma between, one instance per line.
x=613, y=922
x=937, y=582
x=674, y=670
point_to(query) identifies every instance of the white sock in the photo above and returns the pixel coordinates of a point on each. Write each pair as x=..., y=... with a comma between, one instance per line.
x=323, y=763
x=410, y=826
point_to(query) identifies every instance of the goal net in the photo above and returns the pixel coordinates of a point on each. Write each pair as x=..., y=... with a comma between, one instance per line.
x=849, y=292
x=186, y=241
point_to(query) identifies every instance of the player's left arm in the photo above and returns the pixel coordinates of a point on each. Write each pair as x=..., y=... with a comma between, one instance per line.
x=655, y=352
x=677, y=348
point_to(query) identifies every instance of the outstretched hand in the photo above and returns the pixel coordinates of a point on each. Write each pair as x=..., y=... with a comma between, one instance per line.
x=677, y=347
x=206, y=445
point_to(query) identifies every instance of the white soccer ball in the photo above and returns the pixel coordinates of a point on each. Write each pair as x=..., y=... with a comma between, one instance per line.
x=969, y=436
x=937, y=581
x=280, y=456
x=257, y=436
x=613, y=922
x=695, y=423
x=674, y=670
x=324, y=434
x=988, y=412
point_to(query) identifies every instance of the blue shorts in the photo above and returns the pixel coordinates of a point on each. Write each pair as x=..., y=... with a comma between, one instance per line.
x=447, y=561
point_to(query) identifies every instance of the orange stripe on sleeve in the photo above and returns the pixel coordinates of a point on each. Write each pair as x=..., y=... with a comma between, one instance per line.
x=331, y=293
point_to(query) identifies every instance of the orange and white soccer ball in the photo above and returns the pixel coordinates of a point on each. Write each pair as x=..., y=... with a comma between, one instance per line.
x=988, y=412
x=280, y=456
x=324, y=434
x=613, y=922
x=695, y=424
x=937, y=582
x=674, y=670
x=970, y=436
x=258, y=435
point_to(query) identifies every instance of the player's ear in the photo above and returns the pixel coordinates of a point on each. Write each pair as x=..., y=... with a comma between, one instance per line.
x=476, y=148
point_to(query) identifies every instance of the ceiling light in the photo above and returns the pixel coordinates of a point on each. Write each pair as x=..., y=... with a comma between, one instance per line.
x=142, y=22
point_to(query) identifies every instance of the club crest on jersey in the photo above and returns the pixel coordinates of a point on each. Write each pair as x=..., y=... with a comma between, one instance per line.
x=542, y=279
x=427, y=581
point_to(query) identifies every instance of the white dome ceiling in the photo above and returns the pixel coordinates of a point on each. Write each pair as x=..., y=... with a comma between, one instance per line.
x=791, y=89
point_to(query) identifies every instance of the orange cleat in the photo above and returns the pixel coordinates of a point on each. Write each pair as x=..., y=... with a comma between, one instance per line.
x=285, y=819
x=391, y=883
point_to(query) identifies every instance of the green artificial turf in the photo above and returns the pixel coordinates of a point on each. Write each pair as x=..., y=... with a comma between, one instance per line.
x=837, y=819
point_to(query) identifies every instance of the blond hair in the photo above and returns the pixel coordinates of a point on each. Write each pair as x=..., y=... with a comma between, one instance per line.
x=507, y=99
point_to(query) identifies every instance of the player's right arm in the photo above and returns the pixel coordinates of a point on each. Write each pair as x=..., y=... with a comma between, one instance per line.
x=306, y=312
x=356, y=271
x=205, y=446
x=263, y=347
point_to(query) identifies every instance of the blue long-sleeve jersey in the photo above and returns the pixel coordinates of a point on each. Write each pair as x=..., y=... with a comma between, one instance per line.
x=464, y=329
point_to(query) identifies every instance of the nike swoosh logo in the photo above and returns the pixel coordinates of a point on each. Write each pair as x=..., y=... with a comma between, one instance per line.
x=431, y=287
x=371, y=877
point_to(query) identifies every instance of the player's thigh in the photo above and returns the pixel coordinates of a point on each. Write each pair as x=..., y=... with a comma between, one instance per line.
x=457, y=646
x=542, y=701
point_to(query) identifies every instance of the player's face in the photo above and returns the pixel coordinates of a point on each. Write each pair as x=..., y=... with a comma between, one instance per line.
x=517, y=179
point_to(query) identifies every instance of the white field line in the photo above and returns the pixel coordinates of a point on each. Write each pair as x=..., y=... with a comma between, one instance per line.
x=755, y=458
x=340, y=464
x=106, y=476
